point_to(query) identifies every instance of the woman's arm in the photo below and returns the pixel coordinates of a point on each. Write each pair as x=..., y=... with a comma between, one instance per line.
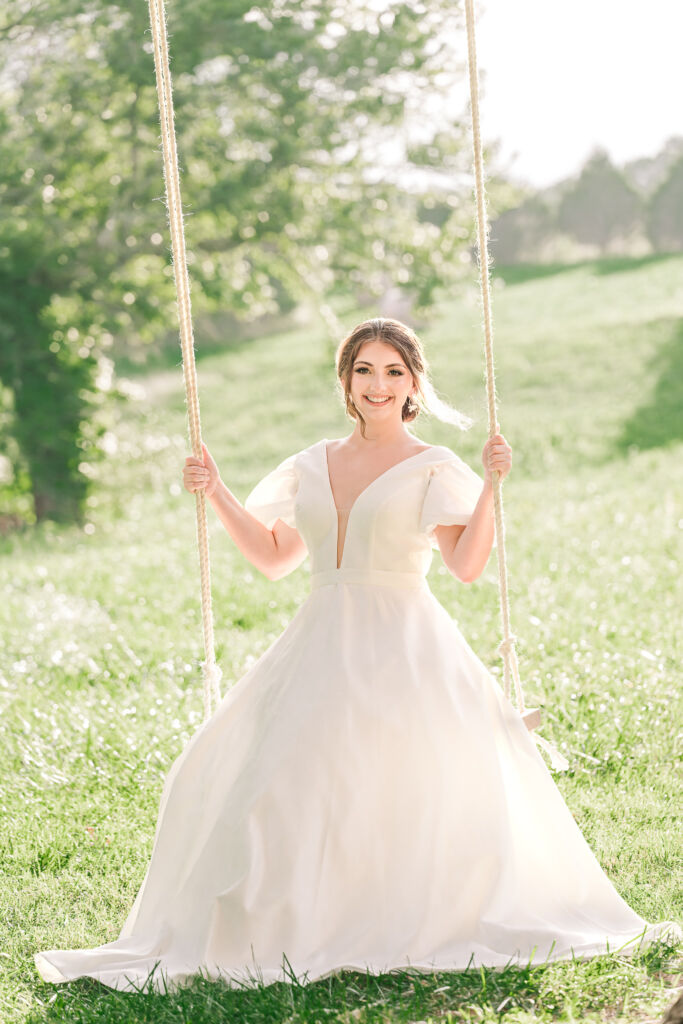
x=273, y=552
x=466, y=549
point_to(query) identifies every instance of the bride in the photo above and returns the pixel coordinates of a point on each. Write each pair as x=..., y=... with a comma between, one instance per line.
x=382, y=395
x=365, y=796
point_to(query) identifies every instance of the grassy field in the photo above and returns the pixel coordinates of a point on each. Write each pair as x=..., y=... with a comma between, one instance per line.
x=99, y=681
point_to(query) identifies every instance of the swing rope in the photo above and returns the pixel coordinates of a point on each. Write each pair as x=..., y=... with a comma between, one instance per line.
x=530, y=716
x=507, y=647
x=211, y=671
x=157, y=15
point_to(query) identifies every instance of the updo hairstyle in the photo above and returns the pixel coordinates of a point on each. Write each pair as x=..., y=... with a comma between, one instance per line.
x=408, y=345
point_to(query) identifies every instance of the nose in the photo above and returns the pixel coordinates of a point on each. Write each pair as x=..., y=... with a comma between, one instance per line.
x=379, y=387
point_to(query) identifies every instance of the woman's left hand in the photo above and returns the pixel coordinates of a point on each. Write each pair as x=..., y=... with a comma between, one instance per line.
x=497, y=455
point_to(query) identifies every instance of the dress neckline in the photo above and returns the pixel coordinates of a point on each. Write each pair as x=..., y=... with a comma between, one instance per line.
x=349, y=511
x=379, y=476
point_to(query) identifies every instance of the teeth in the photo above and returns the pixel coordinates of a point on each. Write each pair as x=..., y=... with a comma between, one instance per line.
x=378, y=401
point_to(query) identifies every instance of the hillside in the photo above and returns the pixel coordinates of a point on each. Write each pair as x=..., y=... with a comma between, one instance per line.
x=99, y=680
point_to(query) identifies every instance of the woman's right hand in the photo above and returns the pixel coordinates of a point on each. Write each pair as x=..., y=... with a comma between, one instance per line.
x=198, y=475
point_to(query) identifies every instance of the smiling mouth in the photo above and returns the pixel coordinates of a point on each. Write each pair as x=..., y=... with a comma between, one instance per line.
x=381, y=401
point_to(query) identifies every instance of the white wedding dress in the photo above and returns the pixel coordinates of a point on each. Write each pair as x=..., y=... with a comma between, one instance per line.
x=365, y=797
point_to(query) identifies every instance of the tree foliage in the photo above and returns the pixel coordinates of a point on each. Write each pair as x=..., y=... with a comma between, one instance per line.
x=283, y=115
x=600, y=205
x=665, y=212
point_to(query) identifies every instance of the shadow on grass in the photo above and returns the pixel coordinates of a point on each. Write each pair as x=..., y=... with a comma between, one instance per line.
x=659, y=421
x=619, y=264
x=166, y=354
x=221, y=332
x=522, y=272
x=544, y=990
x=214, y=333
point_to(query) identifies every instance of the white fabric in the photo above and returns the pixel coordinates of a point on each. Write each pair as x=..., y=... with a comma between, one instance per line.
x=452, y=493
x=364, y=797
x=273, y=497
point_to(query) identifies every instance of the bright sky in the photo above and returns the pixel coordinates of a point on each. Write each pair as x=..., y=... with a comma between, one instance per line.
x=564, y=76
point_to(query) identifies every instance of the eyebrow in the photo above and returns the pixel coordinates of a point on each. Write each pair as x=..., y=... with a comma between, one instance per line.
x=387, y=365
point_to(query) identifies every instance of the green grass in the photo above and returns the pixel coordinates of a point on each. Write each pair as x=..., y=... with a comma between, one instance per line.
x=99, y=680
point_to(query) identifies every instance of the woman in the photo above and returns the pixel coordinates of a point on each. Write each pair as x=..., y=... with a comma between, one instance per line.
x=365, y=797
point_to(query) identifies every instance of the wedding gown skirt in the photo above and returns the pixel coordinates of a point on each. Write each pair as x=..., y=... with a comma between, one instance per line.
x=365, y=797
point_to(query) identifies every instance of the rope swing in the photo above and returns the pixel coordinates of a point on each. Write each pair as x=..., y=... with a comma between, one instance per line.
x=157, y=17
x=211, y=671
x=530, y=716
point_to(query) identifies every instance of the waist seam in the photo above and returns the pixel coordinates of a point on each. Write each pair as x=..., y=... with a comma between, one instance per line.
x=368, y=577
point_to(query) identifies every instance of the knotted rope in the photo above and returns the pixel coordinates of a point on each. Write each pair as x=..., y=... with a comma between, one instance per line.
x=507, y=649
x=157, y=16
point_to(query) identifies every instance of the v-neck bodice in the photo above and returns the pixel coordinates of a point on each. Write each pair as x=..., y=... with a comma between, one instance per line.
x=344, y=514
x=389, y=528
x=342, y=525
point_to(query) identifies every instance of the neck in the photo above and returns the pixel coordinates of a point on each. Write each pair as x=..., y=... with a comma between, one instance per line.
x=382, y=435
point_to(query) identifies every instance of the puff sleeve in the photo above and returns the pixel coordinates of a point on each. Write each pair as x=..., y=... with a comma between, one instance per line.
x=273, y=497
x=452, y=493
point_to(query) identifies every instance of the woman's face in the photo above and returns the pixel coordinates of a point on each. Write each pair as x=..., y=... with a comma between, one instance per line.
x=380, y=381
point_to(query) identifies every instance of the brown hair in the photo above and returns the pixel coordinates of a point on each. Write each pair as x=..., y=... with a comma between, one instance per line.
x=408, y=345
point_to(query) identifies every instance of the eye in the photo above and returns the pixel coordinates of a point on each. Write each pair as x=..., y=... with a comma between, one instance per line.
x=364, y=369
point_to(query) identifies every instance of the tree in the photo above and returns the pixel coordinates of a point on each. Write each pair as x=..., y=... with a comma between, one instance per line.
x=665, y=212
x=519, y=234
x=600, y=206
x=281, y=112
